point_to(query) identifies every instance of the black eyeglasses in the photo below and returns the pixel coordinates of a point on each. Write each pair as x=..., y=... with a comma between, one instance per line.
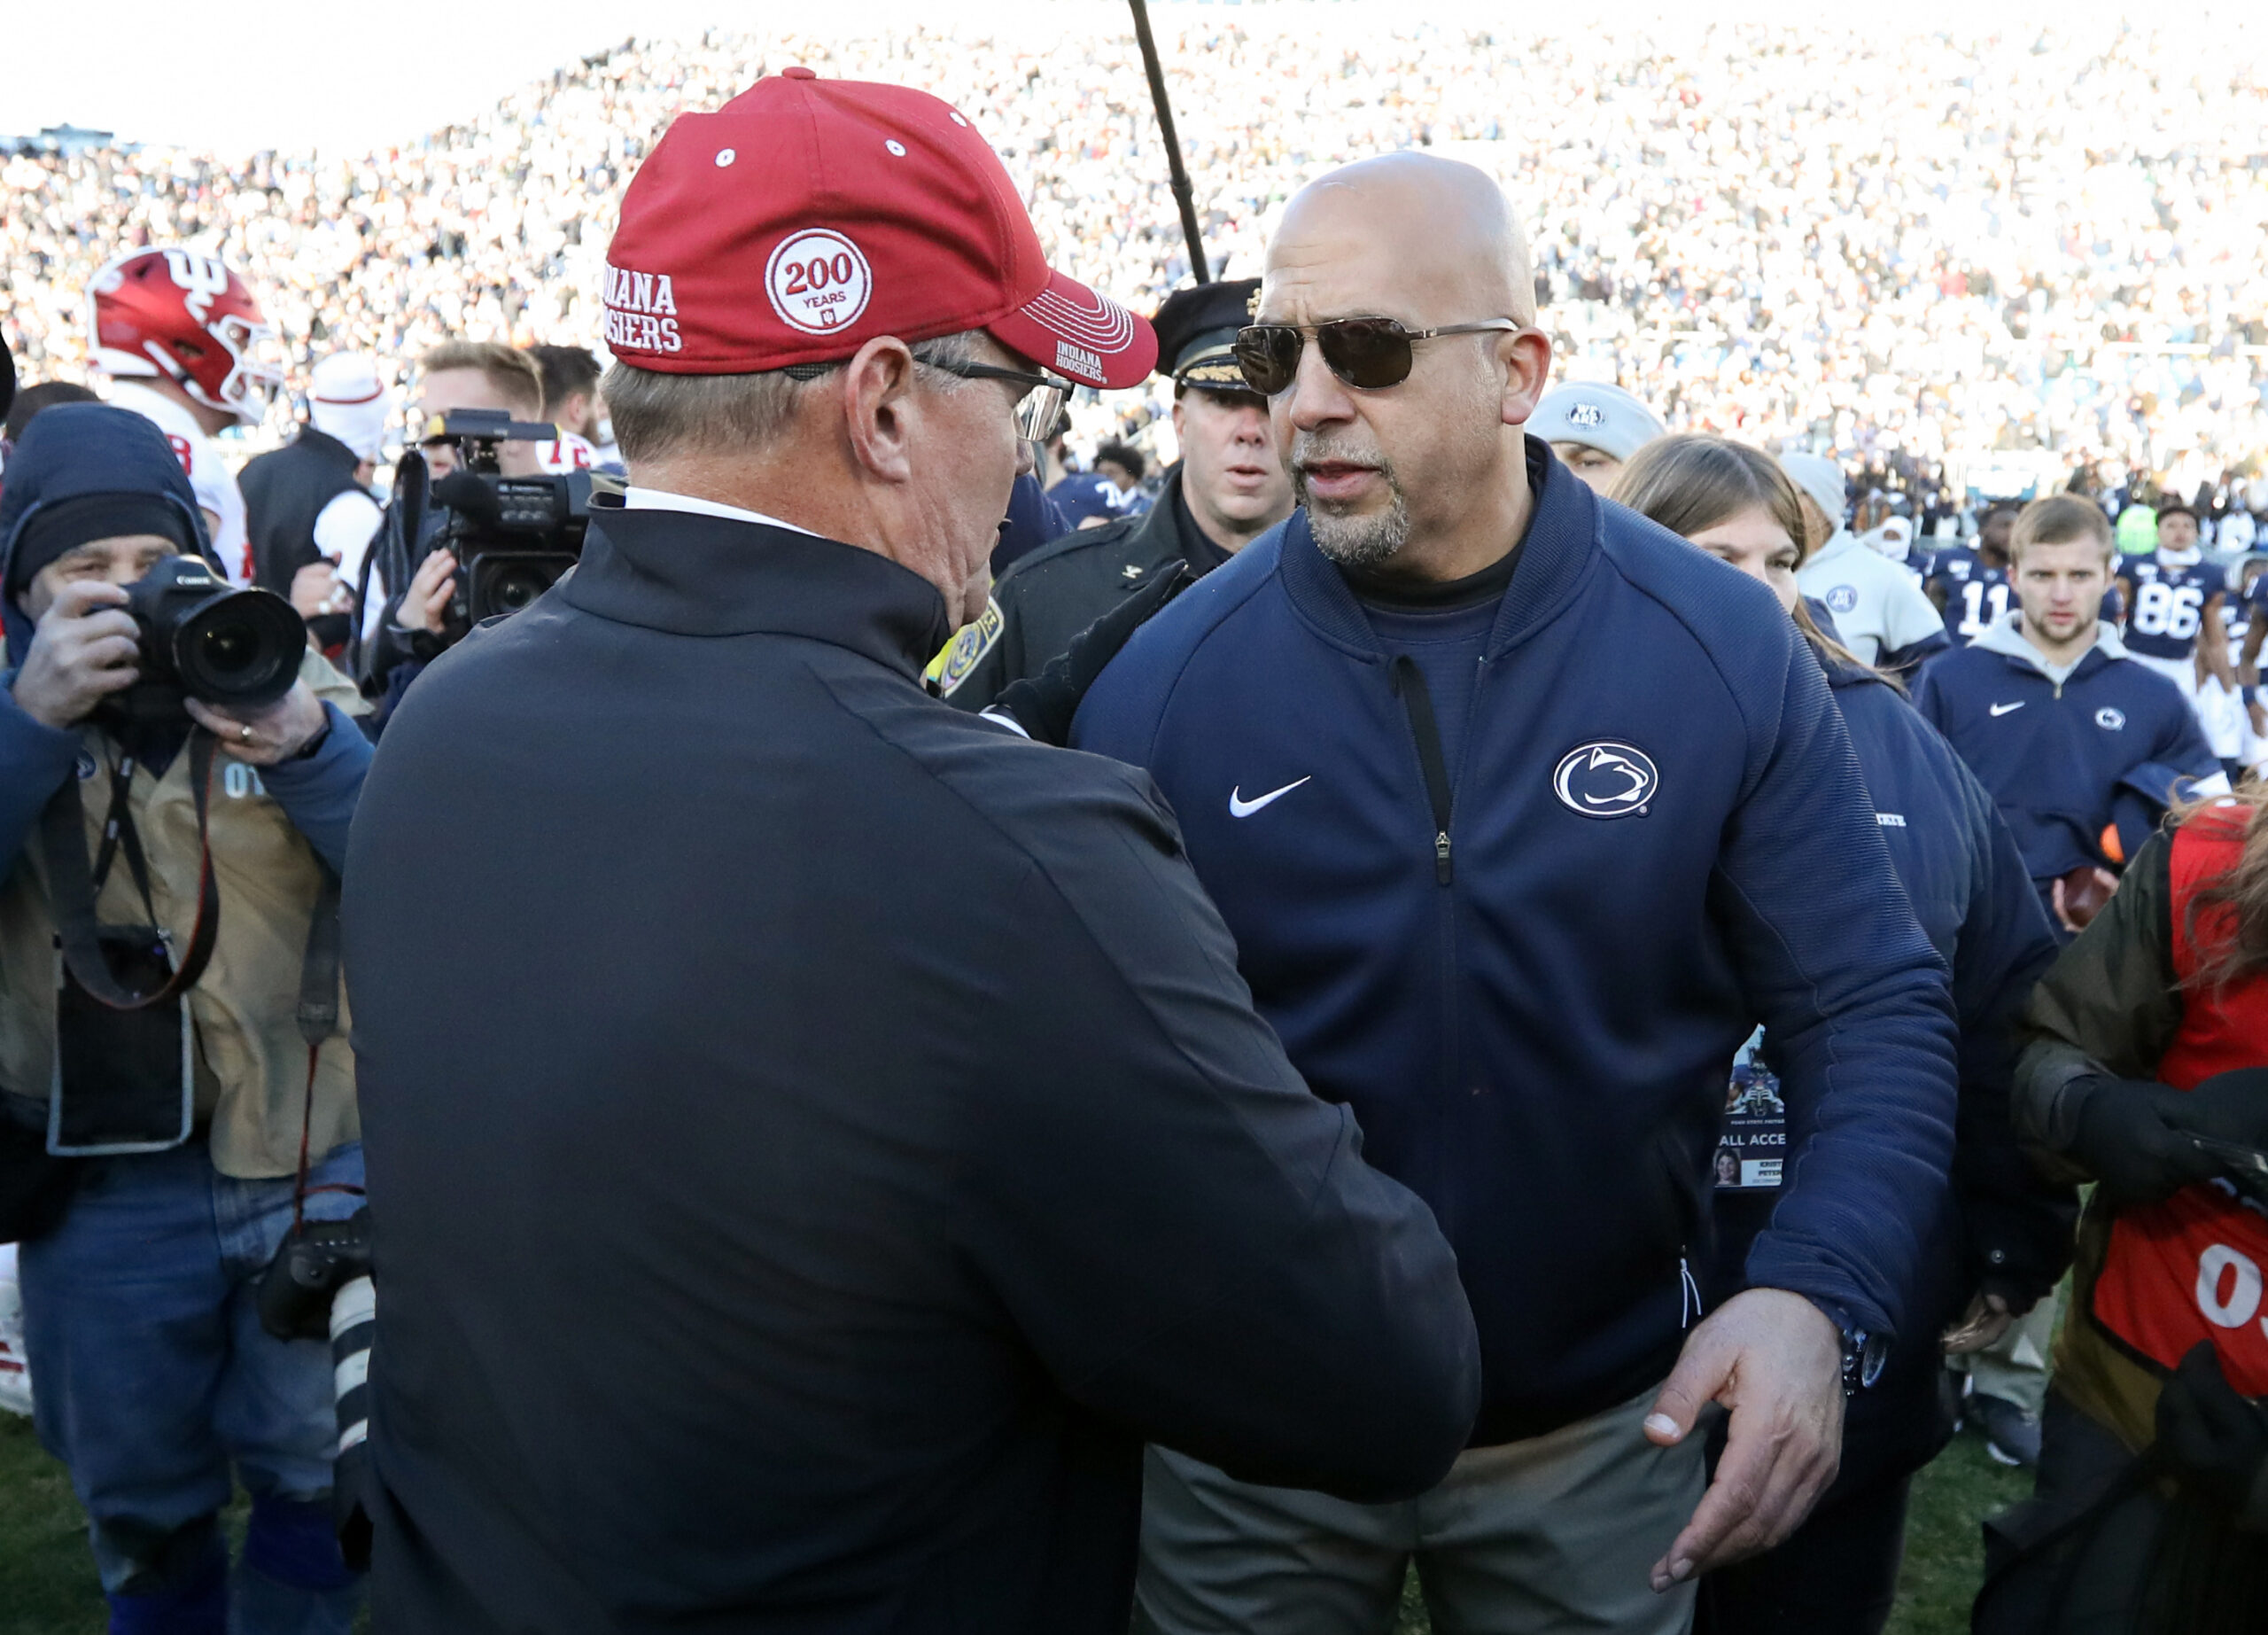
x=1035, y=410
x=1365, y=353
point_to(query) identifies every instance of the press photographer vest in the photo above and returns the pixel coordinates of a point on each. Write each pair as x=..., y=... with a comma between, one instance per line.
x=2195, y=1267
x=251, y=1061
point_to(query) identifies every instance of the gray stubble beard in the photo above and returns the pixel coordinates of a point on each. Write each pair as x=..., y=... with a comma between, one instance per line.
x=1359, y=542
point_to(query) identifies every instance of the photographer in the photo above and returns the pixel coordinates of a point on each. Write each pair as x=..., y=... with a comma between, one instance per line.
x=190, y=840
x=413, y=581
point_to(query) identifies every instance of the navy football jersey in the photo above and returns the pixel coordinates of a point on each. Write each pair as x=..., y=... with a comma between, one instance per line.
x=2167, y=604
x=1976, y=594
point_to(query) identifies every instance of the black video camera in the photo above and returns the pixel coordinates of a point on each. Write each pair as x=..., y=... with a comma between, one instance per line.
x=513, y=537
x=204, y=638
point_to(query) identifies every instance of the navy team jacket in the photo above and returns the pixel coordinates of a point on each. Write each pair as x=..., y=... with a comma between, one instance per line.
x=2057, y=756
x=2007, y=1229
x=1528, y=973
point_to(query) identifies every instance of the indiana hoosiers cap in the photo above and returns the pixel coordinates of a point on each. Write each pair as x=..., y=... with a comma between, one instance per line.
x=807, y=216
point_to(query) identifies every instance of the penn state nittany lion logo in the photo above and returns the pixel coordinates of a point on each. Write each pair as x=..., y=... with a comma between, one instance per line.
x=2110, y=718
x=1605, y=779
x=1842, y=599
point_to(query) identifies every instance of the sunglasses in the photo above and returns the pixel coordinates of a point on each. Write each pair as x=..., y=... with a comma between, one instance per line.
x=1036, y=411
x=1367, y=353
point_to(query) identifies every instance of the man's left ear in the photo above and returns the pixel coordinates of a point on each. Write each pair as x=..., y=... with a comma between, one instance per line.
x=1526, y=355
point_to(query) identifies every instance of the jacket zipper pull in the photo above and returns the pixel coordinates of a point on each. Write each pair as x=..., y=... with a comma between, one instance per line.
x=1689, y=1292
x=1442, y=871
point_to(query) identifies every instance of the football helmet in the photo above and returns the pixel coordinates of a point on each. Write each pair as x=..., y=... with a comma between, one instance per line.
x=184, y=317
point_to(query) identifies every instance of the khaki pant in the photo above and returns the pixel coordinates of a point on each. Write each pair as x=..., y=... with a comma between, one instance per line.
x=1545, y=1537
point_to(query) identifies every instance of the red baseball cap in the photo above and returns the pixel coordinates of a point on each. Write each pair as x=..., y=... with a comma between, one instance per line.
x=807, y=216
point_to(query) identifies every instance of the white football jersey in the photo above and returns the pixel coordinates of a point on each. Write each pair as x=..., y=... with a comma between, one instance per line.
x=214, y=484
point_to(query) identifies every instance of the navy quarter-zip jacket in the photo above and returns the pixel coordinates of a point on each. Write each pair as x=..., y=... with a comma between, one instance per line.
x=2053, y=752
x=1528, y=973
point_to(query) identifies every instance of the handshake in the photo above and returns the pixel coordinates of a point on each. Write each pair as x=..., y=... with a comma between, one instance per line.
x=2145, y=1141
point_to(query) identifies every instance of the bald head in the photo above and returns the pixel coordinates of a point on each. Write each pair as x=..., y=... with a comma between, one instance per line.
x=1434, y=235
x=1424, y=474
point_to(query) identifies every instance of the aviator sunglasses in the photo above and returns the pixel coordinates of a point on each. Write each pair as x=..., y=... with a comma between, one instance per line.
x=1365, y=353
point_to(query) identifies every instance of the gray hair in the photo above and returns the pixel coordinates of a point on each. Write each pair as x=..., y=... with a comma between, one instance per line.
x=657, y=414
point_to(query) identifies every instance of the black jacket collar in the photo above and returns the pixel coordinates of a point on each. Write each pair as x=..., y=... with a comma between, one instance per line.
x=713, y=576
x=1562, y=540
x=330, y=448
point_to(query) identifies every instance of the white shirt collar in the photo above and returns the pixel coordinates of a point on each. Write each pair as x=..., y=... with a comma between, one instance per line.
x=635, y=499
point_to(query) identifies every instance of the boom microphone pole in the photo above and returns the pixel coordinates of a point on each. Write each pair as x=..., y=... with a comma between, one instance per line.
x=1181, y=189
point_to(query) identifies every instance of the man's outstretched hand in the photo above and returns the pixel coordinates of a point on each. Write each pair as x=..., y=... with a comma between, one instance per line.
x=1776, y=1362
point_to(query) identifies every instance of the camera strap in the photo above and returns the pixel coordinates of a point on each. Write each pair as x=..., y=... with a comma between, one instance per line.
x=318, y=1021
x=72, y=884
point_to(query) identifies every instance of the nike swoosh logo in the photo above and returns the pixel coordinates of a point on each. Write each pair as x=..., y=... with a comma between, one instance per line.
x=2002, y=709
x=1243, y=808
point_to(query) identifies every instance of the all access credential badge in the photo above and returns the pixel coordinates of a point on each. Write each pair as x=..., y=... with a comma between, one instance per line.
x=1752, y=1147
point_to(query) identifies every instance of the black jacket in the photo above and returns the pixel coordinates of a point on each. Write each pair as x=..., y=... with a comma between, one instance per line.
x=284, y=492
x=1057, y=591
x=816, y=1136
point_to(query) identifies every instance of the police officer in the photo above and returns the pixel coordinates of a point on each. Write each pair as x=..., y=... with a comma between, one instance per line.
x=883, y=1077
x=202, y=1114
x=1229, y=488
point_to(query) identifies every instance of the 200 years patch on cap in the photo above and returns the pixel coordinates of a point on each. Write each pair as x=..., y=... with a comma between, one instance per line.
x=807, y=216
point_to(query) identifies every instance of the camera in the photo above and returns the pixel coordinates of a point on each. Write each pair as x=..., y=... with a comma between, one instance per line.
x=203, y=638
x=319, y=1285
x=513, y=537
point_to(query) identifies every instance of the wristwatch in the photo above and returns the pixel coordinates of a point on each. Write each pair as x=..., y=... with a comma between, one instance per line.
x=1863, y=1357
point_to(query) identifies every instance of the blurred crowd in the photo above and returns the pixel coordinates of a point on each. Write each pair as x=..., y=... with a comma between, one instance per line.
x=1915, y=251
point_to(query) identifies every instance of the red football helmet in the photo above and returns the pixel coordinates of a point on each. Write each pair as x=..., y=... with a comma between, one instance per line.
x=187, y=317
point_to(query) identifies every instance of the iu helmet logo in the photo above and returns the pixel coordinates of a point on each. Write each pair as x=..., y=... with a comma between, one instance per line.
x=1605, y=779
x=186, y=317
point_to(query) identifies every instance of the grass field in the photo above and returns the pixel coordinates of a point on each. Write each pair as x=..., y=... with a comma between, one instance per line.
x=47, y=1580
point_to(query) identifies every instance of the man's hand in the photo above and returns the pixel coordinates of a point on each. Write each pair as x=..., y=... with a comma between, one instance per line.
x=2074, y=914
x=82, y=652
x=263, y=736
x=1988, y=1319
x=425, y=604
x=316, y=589
x=1775, y=1361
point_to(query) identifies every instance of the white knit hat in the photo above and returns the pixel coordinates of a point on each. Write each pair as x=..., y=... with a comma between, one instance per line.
x=1822, y=479
x=348, y=400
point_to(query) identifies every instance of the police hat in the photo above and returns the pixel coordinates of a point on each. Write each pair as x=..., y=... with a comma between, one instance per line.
x=1196, y=328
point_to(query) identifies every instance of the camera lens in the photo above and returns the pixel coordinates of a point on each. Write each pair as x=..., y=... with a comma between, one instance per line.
x=242, y=647
x=231, y=650
x=515, y=590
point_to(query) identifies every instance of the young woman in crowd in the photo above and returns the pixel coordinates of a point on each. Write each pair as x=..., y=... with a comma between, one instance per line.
x=2146, y=1071
x=2006, y=1240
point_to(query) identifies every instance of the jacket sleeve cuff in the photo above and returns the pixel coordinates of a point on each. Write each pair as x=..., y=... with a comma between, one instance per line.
x=34, y=758
x=319, y=794
x=1835, y=1292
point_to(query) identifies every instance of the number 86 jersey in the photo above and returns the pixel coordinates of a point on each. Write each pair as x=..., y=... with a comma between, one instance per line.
x=2165, y=602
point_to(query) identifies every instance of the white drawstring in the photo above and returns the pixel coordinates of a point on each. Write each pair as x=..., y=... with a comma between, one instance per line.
x=1688, y=1303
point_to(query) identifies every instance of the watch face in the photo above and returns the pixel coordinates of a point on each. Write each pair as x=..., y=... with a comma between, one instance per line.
x=1872, y=1355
